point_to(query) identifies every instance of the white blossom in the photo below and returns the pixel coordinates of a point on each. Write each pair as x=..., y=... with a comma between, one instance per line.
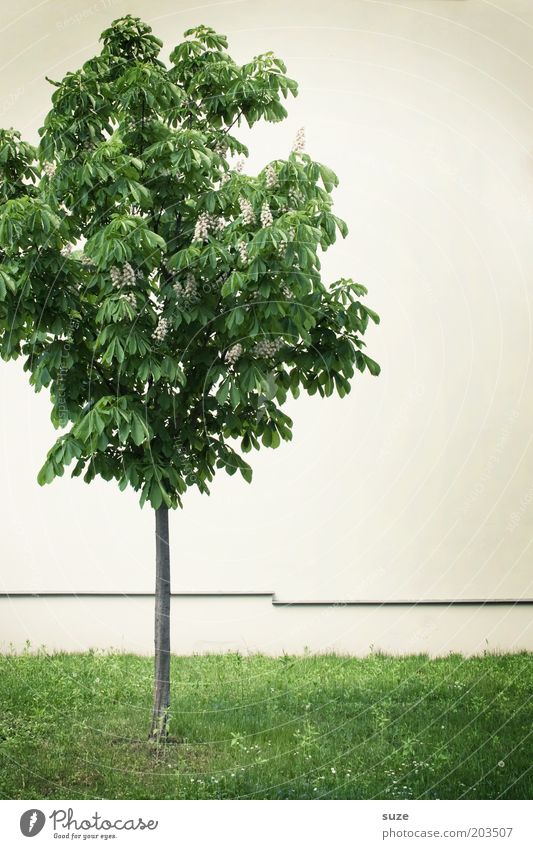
x=66, y=250
x=243, y=252
x=219, y=224
x=187, y=292
x=247, y=211
x=125, y=276
x=271, y=176
x=86, y=260
x=296, y=197
x=233, y=354
x=161, y=330
x=116, y=276
x=201, y=229
x=49, y=168
x=267, y=347
x=64, y=208
x=266, y=215
x=128, y=274
x=237, y=169
x=299, y=142
x=282, y=247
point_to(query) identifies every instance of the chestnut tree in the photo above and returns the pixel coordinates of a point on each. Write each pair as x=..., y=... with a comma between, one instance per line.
x=169, y=301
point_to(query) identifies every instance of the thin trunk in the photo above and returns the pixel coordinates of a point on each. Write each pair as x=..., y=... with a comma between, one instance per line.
x=159, y=727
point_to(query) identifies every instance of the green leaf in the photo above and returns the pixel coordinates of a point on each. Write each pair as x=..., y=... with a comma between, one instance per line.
x=266, y=438
x=246, y=472
x=46, y=474
x=139, y=431
x=156, y=495
x=329, y=178
x=235, y=395
x=223, y=392
x=373, y=367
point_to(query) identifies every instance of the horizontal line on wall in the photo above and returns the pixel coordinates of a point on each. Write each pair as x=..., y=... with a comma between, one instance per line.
x=403, y=602
x=215, y=594
x=447, y=602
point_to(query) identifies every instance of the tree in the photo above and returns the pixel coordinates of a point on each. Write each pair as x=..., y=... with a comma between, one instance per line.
x=169, y=301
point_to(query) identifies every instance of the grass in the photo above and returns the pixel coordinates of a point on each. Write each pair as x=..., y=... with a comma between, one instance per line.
x=75, y=727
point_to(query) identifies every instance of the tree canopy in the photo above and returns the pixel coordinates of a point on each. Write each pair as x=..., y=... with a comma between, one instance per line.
x=167, y=300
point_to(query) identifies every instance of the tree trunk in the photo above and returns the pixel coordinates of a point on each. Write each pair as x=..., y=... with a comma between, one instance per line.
x=159, y=727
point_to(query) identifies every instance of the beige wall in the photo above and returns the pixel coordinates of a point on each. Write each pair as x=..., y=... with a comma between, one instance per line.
x=251, y=624
x=420, y=484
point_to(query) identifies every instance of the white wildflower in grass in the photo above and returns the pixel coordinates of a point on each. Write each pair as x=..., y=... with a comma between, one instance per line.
x=161, y=330
x=243, y=252
x=271, y=176
x=266, y=215
x=201, y=228
x=267, y=347
x=233, y=354
x=247, y=211
x=49, y=168
x=298, y=145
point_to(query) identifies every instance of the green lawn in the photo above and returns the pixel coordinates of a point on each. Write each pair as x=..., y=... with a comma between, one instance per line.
x=75, y=726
